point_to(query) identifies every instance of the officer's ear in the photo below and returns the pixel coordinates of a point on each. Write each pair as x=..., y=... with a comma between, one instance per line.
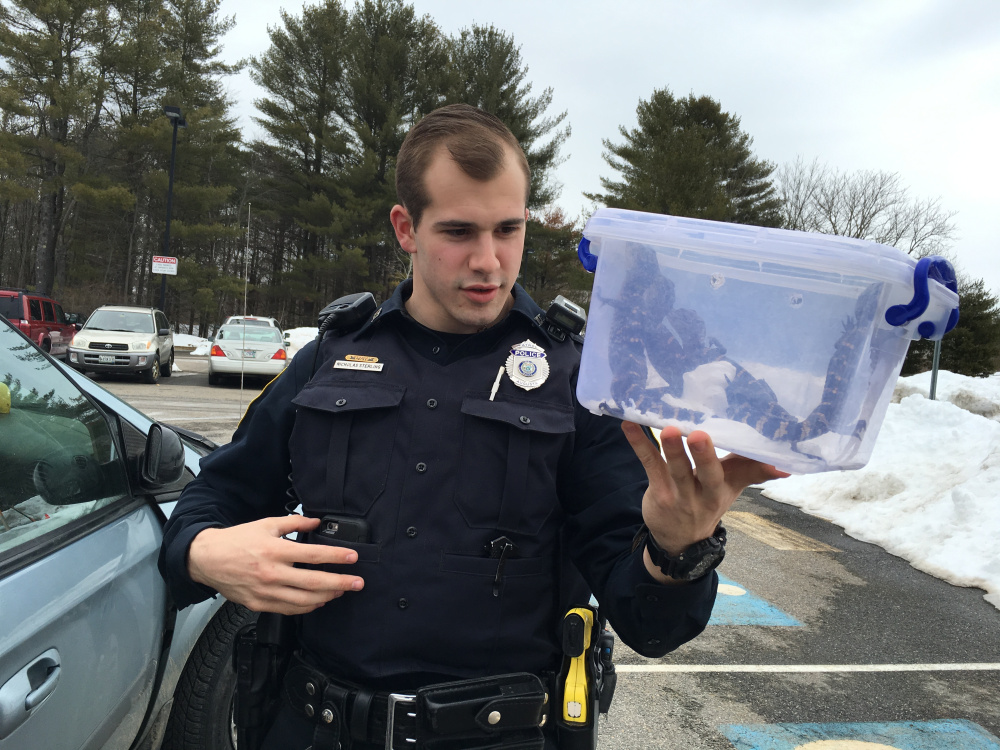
x=403, y=226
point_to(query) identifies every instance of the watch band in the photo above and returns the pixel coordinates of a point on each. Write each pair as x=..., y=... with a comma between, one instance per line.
x=693, y=562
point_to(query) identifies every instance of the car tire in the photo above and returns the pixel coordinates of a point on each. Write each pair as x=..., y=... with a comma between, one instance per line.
x=201, y=717
x=152, y=375
x=214, y=378
x=167, y=371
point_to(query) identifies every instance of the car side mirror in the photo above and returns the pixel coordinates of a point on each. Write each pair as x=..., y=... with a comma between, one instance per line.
x=63, y=478
x=163, y=459
x=163, y=332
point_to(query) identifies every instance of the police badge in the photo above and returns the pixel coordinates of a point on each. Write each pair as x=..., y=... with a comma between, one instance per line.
x=527, y=366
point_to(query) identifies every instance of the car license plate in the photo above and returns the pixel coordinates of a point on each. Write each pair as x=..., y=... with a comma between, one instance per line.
x=106, y=359
x=249, y=353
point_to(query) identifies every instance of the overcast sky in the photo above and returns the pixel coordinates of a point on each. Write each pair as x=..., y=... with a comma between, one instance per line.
x=907, y=86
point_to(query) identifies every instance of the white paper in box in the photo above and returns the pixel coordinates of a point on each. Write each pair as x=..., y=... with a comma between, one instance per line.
x=774, y=342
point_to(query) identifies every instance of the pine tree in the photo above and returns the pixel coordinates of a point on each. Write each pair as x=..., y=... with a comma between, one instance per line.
x=301, y=192
x=51, y=51
x=490, y=74
x=972, y=347
x=550, y=265
x=689, y=158
x=193, y=73
x=205, y=231
x=391, y=82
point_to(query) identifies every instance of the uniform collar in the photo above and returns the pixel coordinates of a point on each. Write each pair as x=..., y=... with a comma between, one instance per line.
x=392, y=312
x=394, y=307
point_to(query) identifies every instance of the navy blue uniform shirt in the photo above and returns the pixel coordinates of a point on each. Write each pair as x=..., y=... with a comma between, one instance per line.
x=415, y=441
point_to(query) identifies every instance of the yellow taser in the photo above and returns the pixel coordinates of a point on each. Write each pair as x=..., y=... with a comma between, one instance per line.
x=578, y=625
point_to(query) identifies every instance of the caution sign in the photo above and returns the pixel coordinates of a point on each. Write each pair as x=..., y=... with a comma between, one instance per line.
x=165, y=264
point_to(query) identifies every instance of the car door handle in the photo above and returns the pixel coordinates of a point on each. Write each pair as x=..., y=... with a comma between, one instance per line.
x=26, y=690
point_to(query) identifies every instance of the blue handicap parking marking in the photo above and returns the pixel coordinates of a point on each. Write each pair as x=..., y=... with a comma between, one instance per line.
x=735, y=605
x=948, y=734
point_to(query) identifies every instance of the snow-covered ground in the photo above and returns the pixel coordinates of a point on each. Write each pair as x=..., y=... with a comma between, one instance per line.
x=931, y=492
x=201, y=346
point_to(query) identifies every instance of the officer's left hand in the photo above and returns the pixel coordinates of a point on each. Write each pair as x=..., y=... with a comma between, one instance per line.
x=685, y=503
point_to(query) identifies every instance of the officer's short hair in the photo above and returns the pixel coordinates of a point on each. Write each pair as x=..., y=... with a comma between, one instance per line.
x=475, y=139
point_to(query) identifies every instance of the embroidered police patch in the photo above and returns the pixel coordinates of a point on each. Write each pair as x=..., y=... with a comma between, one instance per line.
x=527, y=366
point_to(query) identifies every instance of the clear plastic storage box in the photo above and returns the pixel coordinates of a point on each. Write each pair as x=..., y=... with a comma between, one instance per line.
x=784, y=346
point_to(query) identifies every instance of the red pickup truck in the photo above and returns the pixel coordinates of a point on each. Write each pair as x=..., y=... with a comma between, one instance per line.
x=40, y=318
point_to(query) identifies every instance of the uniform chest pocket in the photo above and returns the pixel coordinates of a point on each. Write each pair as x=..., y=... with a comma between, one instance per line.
x=510, y=460
x=341, y=444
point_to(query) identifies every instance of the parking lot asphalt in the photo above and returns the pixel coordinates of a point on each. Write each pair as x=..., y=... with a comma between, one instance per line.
x=187, y=400
x=878, y=650
x=818, y=641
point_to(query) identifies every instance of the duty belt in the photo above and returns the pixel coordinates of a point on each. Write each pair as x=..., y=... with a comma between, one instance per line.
x=506, y=711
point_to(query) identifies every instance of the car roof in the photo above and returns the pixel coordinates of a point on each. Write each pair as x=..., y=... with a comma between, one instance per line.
x=127, y=308
x=9, y=291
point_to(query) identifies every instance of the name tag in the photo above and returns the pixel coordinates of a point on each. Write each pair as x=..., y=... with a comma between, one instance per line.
x=343, y=364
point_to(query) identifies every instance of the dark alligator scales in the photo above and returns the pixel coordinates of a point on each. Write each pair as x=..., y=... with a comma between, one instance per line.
x=641, y=339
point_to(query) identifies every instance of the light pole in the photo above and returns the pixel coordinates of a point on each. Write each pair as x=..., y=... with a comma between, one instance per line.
x=177, y=118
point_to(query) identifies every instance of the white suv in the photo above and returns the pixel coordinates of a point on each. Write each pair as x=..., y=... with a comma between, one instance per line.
x=124, y=339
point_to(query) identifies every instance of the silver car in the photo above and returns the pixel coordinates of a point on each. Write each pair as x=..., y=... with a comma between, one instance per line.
x=123, y=339
x=250, y=320
x=244, y=350
x=92, y=652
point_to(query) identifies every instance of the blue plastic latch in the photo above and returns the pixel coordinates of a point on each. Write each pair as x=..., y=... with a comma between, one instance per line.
x=940, y=270
x=583, y=253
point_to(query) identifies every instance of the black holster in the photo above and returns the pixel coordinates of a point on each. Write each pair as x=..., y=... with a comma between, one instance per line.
x=601, y=680
x=261, y=651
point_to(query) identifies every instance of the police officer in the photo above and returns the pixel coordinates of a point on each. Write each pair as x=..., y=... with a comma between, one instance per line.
x=459, y=497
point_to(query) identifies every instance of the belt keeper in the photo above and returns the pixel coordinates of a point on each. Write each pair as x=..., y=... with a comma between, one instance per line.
x=359, y=714
x=330, y=719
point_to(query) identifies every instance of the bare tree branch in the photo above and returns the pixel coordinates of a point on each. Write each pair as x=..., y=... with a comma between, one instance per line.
x=868, y=205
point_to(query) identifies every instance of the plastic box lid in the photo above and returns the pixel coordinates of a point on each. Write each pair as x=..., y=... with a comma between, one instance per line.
x=764, y=245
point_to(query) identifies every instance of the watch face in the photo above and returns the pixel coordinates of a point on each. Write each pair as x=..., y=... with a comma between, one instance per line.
x=705, y=564
x=692, y=563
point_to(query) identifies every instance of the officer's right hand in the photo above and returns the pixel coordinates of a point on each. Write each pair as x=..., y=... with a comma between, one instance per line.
x=251, y=564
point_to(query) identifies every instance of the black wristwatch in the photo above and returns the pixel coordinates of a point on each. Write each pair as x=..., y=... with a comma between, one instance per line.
x=693, y=562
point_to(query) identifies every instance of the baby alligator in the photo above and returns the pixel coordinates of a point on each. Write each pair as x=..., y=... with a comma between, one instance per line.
x=648, y=331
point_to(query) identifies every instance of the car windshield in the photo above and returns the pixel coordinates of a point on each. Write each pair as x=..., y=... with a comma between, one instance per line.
x=249, y=335
x=121, y=320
